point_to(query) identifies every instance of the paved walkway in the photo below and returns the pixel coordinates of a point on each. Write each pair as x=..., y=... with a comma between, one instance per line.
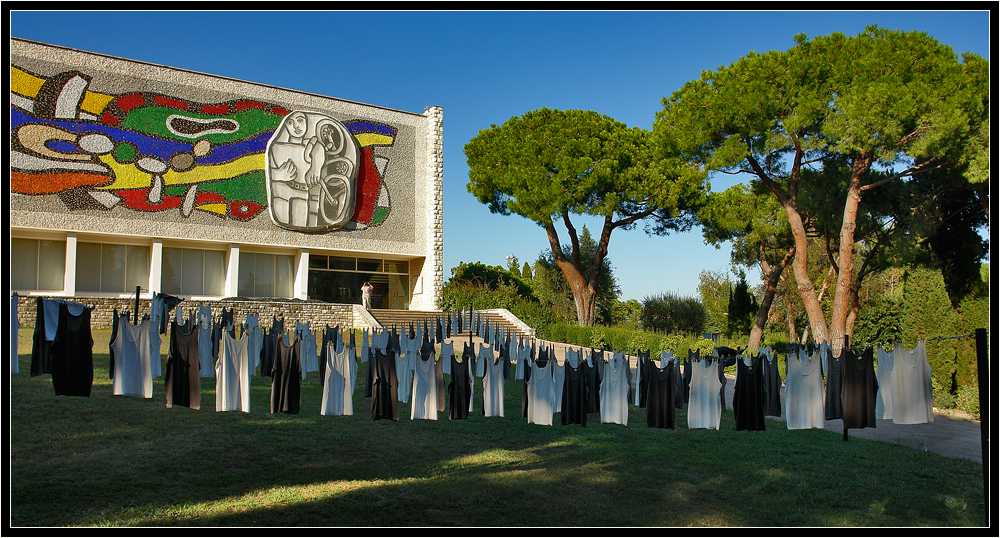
x=948, y=435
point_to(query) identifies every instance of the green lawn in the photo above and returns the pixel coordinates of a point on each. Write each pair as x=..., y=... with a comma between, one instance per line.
x=124, y=461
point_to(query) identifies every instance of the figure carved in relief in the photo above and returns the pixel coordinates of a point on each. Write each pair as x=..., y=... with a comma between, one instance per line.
x=312, y=166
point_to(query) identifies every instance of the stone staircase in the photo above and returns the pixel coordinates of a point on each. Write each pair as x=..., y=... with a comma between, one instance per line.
x=403, y=318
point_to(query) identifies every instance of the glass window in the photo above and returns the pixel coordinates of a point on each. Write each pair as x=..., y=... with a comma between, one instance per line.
x=390, y=291
x=41, y=264
x=187, y=271
x=24, y=274
x=51, y=265
x=344, y=264
x=88, y=267
x=317, y=262
x=283, y=276
x=136, y=267
x=215, y=272
x=392, y=266
x=369, y=266
x=170, y=271
x=112, y=268
x=246, y=274
x=192, y=272
x=265, y=275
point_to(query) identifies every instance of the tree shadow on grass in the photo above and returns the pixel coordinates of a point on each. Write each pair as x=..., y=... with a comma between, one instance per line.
x=114, y=461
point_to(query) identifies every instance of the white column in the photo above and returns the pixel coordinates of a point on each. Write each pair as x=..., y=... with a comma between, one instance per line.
x=300, y=286
x=155, y=267
x=233, y=271
x=69, y=273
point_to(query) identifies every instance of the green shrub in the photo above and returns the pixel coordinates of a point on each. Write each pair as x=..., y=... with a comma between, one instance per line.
x=630, y=341
x=671, y=313
x=967, y=400
x=943, y=398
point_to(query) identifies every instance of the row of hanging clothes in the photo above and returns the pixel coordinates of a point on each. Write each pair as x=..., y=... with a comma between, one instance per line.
x=404, y=364
x=62, y=345
x=820, y=386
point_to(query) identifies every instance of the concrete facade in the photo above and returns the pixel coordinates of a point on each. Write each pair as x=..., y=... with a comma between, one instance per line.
x=132, y=173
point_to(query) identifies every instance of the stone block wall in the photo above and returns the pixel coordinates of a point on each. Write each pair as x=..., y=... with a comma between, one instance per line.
x=317, y=313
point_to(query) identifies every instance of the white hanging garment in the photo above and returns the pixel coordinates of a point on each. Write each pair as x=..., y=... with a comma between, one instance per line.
x=404, y=368
x=232, y=374
x=704, y=405
x=14, y=326
x=206, y=362
x=424, y=404
x=255, y=342
x=912, y=391
x=614, y=391
x=541, y=393
x=883, y=374
x=340, y=378
x=558, y=379
x=490, y=369
x=132, y=370
x=805, y=394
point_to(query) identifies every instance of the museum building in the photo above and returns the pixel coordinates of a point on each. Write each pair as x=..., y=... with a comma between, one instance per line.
x=127, y=174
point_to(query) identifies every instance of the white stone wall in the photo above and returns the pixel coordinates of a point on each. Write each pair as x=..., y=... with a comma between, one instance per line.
x=429, y=282
x=413, y=175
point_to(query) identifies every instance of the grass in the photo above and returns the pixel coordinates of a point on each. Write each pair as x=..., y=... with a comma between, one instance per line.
x=124, y=461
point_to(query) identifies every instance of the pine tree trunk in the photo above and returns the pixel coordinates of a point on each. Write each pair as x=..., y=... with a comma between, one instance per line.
x=842, y=302
x=800, y=270
x=585, y=306
x=774, y=275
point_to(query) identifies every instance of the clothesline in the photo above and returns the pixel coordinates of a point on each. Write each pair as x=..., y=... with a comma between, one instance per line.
x=958, y=336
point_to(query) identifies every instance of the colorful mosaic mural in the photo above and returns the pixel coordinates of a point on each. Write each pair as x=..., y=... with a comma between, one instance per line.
x=150, y=152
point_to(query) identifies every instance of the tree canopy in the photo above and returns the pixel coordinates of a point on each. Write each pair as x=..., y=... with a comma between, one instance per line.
x=547, y=165
x=885, y=105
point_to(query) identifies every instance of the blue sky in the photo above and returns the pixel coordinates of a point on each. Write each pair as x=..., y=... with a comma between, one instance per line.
x=484, y=68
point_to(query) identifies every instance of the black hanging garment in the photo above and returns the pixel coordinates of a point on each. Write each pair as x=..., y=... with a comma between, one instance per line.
x=505, y=359
x=111, y=343
x=678, y=384
x=772, y=386
x=286, y=378
x=370, y=366
x=721, y=364
x=460, y=387
x=526, y=375
x=575, y=395
x=385, y=399
x=592, y=378
x=182, y=383
x=645, y=370
x=216, y=338
x=269, y=348
x=394, y=342
x=859, y=390
x=166, y=304
x=834, y=385
x=660, y=408
x=693, y=356
x=41, y=347
x=267, y=353
x=748, y=395
x=427, y=354
x=72, y=358
x=325, y=338
x=227, y=323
